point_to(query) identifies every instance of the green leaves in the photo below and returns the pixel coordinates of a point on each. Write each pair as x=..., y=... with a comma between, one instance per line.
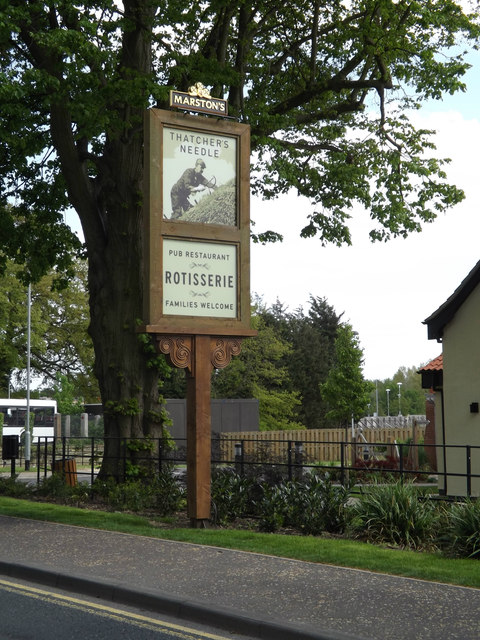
x=324, y=87
x=461, y=533
x=68, y=402
x=59, y=322
x=260, y=372
x=393, y=513
x=315, y=83
x=345, y=391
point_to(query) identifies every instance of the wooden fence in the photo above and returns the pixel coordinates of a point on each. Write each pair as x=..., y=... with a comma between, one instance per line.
x=319, y=445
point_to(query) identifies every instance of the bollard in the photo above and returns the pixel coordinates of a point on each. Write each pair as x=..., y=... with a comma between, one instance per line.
x=239, y=458
x=298, y=460
x=84, y=425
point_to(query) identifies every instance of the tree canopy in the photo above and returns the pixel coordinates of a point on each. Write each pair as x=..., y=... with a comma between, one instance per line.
x=60, y=344
x=345, y=391
x=286, y=365
x=324, y=86
x=261, y=371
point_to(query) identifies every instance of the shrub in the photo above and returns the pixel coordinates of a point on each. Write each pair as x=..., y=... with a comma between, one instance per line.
x=315, y=505
x=272, y=507
x=132, y=495
x=461, y=535
x=392, y=513
x=14, y=488
x=162, y=493
x=372, y=470
x=325, y=506
x=312, y=506
x=54, y=487
x=169, y=495
x=232, y=495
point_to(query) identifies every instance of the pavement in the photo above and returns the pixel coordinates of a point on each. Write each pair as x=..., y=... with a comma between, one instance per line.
x=256, y=595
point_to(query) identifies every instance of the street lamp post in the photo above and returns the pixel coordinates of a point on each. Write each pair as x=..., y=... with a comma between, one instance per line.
x=28, y=441
x=399, y=398
x=388, y=402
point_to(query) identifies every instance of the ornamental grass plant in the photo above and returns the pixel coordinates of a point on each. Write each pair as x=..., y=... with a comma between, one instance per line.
x=461, y=536
x=393, y=514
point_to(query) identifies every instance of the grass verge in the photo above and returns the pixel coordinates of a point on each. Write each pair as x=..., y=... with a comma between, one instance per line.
x=340, y=552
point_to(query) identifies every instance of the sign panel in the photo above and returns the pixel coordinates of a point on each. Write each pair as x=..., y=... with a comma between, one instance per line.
x=199, y=278
x=195, y=101
x=199, y=177
x=197, y=225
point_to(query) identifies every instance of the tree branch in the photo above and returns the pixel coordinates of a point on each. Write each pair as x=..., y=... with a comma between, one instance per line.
x=314, y=36
x=304, y=145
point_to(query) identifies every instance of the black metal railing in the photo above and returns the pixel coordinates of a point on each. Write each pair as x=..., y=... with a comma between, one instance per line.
x=272, y=459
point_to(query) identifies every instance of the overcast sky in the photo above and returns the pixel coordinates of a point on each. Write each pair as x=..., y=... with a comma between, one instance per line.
x=385, y=290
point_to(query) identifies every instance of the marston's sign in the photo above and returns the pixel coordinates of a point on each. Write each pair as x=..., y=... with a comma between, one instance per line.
x=199, y=99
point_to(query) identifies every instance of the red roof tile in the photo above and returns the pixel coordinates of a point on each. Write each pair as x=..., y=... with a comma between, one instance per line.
x=434, y=365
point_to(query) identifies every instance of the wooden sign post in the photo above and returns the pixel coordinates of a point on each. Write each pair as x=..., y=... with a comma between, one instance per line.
x=197, y=235
x=199, y=355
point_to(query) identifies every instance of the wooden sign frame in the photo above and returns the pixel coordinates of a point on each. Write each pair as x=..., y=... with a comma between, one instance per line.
x=197, y=264
x=172, y=141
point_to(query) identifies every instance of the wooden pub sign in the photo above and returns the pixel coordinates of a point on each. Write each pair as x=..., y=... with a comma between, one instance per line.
x=197, y=260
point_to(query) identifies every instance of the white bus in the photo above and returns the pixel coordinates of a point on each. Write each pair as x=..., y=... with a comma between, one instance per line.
x=15, y=415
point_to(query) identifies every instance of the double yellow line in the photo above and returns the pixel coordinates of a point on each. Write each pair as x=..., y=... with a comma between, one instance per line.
x=138, y=620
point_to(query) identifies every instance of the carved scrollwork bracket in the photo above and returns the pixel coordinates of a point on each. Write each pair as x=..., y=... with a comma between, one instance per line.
x=223, y=349
x=178, y=349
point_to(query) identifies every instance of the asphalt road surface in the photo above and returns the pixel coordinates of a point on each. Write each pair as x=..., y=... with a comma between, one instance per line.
x=28, y=612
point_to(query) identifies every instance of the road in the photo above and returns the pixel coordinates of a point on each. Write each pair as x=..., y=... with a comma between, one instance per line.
x=33, y=613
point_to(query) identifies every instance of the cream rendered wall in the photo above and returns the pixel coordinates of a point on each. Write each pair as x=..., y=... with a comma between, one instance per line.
x=439, y=439
x=461, y=384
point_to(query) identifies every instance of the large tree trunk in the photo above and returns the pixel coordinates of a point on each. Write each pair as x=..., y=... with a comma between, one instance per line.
x=128, y=383
x=110, y=210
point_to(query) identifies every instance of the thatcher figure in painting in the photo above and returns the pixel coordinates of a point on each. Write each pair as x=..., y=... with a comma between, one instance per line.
x=190, y=182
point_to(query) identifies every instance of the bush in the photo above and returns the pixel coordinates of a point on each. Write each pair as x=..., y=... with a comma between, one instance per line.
x=169, y=495
x=324, y=506
x=392, y=513
x=14, y=488
x=372, y=470
x=311, y=506
x=273, y=507
x=232, y=495
x=461, y=534
x=56, y=488
x=163, y=494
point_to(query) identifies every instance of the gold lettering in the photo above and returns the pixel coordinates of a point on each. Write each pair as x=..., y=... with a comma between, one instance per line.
x=207, y=104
